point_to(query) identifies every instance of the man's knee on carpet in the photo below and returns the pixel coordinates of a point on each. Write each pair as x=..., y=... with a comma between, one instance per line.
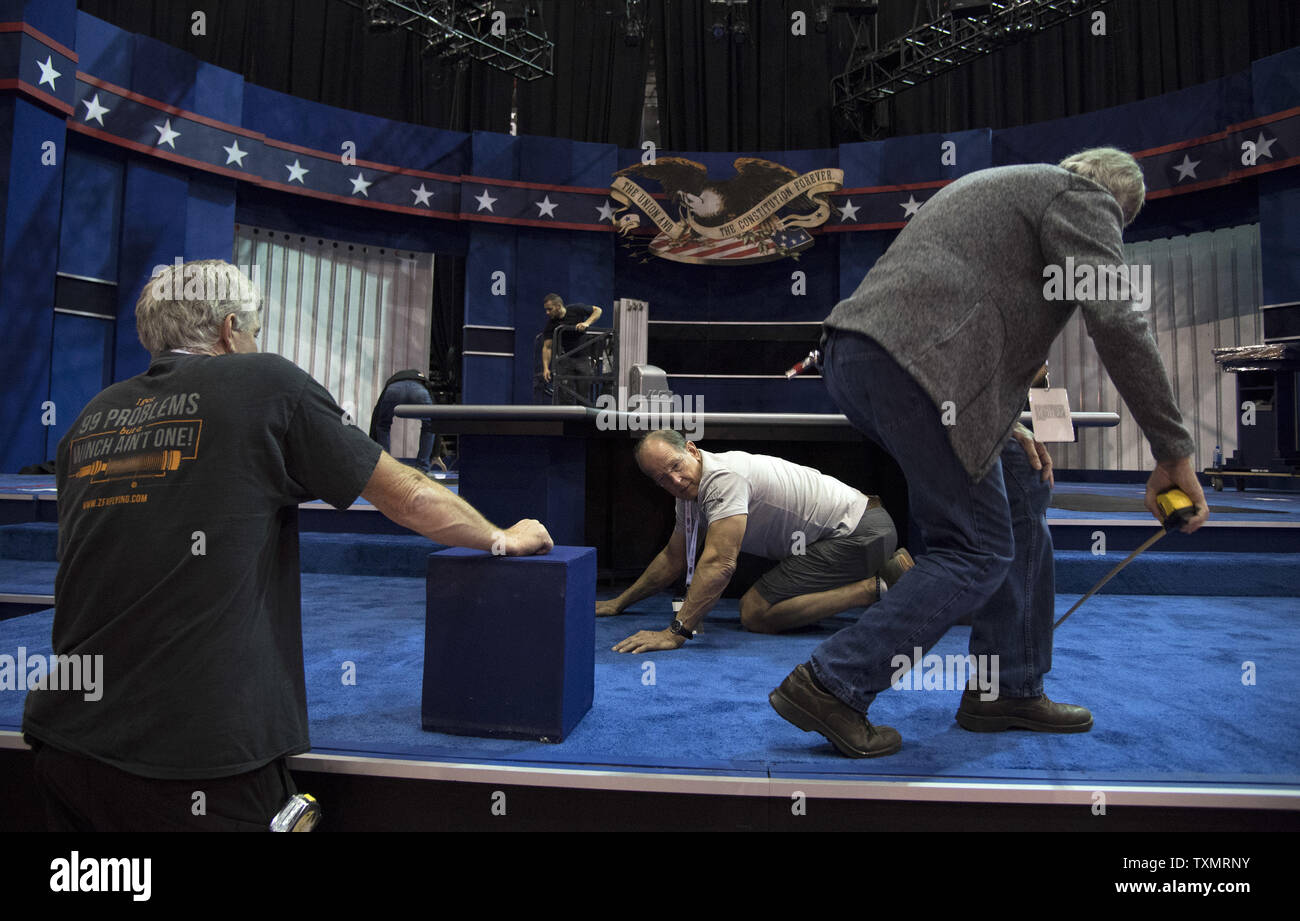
x=754, y=610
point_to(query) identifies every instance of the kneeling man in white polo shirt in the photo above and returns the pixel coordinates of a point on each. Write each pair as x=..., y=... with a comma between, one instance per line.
x=836, y=547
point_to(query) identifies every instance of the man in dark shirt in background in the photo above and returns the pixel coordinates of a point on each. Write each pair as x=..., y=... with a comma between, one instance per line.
x=559, y=314
x=178, y=494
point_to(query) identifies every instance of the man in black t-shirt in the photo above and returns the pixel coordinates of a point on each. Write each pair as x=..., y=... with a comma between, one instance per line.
x=178, y=584
x=559, y=314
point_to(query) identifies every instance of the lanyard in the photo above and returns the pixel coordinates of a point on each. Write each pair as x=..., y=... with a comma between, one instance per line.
x=692, y=527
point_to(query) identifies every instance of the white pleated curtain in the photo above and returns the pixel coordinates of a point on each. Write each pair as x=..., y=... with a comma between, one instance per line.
x=349, y=315
x=1206, y=295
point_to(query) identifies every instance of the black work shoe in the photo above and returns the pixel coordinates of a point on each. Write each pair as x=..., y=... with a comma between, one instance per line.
x=893, y=569
x=1037, y=713
x=801, y=702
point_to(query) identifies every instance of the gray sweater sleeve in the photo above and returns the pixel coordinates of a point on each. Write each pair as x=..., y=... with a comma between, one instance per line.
x=1085, y=225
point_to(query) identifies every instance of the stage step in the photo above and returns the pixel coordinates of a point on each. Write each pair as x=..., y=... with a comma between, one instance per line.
x=1238, y=575
x=33, y=540
x=365, y=554
x=1246, y=537
x=1172, y=567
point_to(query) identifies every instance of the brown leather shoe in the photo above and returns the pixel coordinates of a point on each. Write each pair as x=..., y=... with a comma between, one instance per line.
x=801, y=702
x=1037, y=713
x=893, y=569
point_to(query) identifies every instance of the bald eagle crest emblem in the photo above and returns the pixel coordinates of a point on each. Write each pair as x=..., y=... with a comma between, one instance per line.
x=761, y=213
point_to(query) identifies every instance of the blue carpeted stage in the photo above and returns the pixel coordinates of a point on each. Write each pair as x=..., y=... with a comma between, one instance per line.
x=1159, y=658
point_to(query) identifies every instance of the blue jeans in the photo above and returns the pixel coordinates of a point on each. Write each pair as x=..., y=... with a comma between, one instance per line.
x=987, y=552
x=396, y=394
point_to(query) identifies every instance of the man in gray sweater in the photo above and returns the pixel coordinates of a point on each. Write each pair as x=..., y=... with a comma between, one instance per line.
x=931, y=357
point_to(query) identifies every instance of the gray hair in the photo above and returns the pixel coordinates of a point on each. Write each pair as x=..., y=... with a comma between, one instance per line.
x=183, y=306
x=1117, y=171
x=668, y=436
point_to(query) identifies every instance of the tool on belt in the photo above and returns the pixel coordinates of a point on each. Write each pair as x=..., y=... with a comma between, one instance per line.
x=1176, y=509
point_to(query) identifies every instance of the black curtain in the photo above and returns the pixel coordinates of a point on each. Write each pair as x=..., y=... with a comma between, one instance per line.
x=770, y=91
x=598, y=91
x=321, y=50
x=1150, y=47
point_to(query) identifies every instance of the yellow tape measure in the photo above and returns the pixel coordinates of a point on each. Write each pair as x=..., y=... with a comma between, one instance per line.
x=1176, y=509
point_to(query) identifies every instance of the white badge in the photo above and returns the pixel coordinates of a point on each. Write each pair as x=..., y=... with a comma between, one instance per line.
x=1051, y=412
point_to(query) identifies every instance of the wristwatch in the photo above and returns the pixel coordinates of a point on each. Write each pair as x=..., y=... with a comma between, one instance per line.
x=680, y=629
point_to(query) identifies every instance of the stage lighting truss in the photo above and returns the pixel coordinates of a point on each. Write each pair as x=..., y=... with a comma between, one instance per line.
x=634, y=23
x=955, y=33
x=461, y=31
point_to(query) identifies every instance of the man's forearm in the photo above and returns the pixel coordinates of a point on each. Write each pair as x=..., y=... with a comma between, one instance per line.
x=416, y=502
x=707, y=586
x=660, y=574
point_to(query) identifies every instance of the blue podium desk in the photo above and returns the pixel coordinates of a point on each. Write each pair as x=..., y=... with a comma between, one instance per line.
x=571, y=467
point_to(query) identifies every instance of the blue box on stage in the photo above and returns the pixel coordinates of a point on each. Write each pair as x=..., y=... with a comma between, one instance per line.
x=509, y=643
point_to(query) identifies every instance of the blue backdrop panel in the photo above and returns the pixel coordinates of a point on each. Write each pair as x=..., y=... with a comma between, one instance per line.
x=1179, y=116
x=489, y=265
x=721, y=164
x=6, y=153
x=900, y=161
x=488, y=379
x=56, y=18
x=777, y=395
x=858, y=253
x=164, y=73
x=103, y=51
x=509, y=477
x=154, y=206
x=326, y=128
x=764, y=291
x=210, y=217
x=1276, y=82
x=92, y=213
x=30, y=202
x=495, y=155
x=1279, y=236
x=557, y=161
x=577, y=266
x=920, y=158
x=81, y=366
x=312, y=217
x=218, y=93
x=509, y=643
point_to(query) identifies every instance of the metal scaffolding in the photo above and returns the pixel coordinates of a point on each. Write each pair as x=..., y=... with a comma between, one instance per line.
x=500, y=33
x=954, y=33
